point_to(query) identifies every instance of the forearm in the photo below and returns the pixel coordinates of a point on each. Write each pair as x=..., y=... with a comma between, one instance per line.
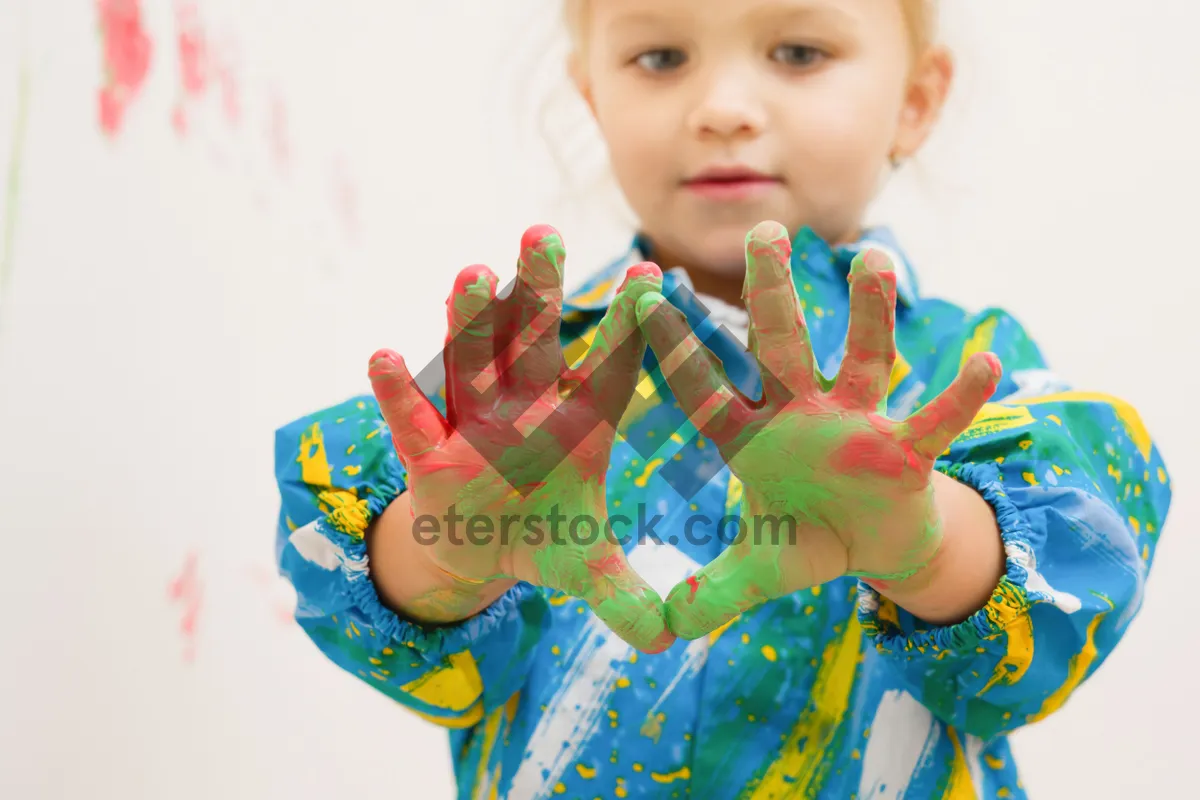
x=967, y=566
x=410, y=583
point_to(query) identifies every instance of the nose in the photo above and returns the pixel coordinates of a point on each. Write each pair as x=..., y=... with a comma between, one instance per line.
x=729, y=106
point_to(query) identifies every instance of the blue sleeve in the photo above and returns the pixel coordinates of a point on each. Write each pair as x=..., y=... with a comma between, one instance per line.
x=1080, y=493
x=336, y=471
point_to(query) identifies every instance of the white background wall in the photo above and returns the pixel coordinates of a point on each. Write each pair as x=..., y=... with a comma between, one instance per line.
x=172, y=299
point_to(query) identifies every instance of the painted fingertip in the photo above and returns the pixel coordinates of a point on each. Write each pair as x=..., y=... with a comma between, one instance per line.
x=537, y=234
x=994, y=363
x=662, y=643
x=385, y=363
x=991, y=363
x=870, y=260
x=476, y=280
x=647, y=304
x=647, y=270
x=770, y=234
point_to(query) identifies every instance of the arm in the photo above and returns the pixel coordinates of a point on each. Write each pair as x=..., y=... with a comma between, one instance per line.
x=337, y=472
x=1078, y=494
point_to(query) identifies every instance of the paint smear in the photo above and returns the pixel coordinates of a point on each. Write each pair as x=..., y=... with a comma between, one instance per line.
x=280, y=597
x=13, y=189
x=127, y=50
x=277, y=132
x=201, y=66
x=186, y=590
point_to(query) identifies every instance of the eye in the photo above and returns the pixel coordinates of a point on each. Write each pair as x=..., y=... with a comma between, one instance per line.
x=661, y=60
x=797, y=55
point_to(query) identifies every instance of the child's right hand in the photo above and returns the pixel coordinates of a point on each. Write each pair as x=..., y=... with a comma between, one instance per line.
x=510, y=485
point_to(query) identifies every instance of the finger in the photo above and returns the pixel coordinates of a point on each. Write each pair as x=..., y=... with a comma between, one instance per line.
x=415, y=424
x=932, y=428
x=609, y=370
x=602, y=577
x=706, y=396
x=471, y=375
x=780, y=336
x=862, y=380
x=531, y=359
x=730, y=584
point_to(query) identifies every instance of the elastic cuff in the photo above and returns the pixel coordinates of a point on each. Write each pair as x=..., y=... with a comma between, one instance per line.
x=896, y=631
x=432, y=642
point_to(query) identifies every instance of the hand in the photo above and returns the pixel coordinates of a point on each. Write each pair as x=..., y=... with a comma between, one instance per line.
x=831, y=486
x=514, y=475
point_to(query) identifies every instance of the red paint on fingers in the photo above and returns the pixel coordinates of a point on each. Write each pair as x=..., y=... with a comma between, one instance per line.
x=876, y=260
x=389, y=377
x=647, y=269
x=693, y=584
x=611, y=565
x=535, y=235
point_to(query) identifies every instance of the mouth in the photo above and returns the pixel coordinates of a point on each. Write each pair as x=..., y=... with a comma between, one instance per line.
x=731, y=183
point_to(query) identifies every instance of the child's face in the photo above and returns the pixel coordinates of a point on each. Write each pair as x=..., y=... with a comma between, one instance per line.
x=791, y=107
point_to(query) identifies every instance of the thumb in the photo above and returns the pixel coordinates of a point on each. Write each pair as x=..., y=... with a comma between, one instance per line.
x=719, y=591
x=415, y=423
x=602, y=577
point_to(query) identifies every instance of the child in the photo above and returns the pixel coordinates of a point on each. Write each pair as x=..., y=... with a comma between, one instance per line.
x=936, y=578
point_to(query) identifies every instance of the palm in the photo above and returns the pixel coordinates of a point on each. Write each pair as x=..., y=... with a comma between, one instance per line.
x=846, y=490
x=522, y=452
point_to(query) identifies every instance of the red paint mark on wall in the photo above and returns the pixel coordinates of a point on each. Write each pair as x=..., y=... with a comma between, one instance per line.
x=281, y=598
x=186, y=590
x=201, y=66
x=231, y=96
x=277, y=132
x=126, y=56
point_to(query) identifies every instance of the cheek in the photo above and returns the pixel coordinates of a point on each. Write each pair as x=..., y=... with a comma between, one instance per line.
x=841, y=140
x=641, y=147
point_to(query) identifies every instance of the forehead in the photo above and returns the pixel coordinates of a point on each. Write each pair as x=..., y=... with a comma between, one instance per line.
x=617, y=16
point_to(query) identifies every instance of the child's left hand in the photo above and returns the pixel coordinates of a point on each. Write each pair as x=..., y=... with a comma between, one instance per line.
x=854, y=485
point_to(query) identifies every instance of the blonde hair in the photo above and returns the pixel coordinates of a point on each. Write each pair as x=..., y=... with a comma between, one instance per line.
x=921, y=16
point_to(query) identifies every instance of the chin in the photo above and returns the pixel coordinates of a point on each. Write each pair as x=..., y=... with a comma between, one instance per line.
x=723, y=248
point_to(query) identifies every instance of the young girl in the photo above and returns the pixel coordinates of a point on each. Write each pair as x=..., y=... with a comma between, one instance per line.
x=860, y=603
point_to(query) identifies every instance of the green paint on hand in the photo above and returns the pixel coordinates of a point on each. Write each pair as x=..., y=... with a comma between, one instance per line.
x=520, y=459
x=831, y=486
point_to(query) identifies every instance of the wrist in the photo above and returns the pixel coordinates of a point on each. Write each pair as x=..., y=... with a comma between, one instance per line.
x=410, y=582
x=965, y=569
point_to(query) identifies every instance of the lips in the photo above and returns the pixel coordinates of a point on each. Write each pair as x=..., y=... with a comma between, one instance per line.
x=730, y=183
x=732, y=174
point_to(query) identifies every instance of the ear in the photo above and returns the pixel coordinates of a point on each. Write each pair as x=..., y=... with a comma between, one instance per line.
x=928, y=88
x=579, y=77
